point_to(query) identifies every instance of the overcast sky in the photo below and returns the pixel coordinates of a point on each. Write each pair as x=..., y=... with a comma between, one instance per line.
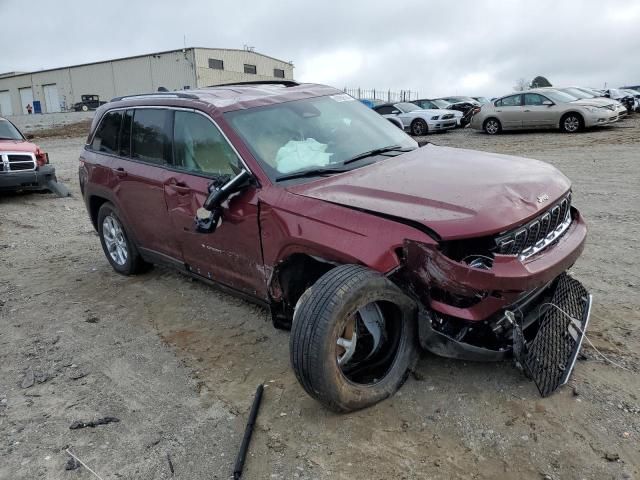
x=437, y=48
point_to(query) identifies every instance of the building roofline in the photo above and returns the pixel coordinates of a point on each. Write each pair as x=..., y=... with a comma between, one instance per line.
x=23, y=74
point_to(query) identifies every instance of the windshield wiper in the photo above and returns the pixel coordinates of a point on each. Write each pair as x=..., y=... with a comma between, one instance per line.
x=377, y=151
x=315, y=172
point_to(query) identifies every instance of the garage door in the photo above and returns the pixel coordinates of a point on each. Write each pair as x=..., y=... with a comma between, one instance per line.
x=51, y=100
x=26, y=98
x=5, y=104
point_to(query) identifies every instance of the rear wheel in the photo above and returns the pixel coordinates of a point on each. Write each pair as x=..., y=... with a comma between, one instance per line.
x=419, y=127
x=353, y=338
x=120, y=251
x=571, y=123
x=492, y=126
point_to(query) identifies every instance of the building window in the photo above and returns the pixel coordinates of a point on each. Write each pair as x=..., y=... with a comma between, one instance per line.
x=278, y=73
x=250, y=69
x=216, y=64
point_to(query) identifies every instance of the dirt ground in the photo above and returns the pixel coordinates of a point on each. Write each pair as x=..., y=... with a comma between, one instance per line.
x=177, y=362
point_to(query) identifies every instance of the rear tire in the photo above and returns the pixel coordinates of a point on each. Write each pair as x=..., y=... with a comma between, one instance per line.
x=419, y=127
x=116, y=242
x=325, y=314
x=572, y=123
x=492, y=126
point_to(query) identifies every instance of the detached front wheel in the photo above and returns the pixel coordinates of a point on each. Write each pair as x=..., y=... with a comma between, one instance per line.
x=353, y=338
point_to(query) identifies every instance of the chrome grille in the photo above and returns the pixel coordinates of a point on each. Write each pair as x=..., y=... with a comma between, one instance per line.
x=17, y=161
x=539, y=233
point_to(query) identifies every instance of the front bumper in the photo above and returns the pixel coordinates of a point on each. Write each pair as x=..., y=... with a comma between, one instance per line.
x=543, y=331
x=440, y=125
x=508, y=278
x=38, y=179
x=605, y=117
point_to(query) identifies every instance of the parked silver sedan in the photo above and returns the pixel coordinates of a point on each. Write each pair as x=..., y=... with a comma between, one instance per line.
x=542, y=108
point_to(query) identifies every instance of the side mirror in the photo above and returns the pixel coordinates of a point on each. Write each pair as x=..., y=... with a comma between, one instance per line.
x=395, y=112
x=209, y=215
x=548, y=103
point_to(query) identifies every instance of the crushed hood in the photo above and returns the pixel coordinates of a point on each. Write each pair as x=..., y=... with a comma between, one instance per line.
x=456, y=193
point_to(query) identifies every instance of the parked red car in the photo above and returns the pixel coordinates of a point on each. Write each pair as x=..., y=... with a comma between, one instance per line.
x=302, y=199
x=23, y=165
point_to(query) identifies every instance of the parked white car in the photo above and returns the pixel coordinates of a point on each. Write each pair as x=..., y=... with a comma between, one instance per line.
x=415, y=120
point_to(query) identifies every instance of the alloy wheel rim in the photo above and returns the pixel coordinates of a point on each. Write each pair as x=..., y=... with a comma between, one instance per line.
x=368, y=345
x=115, y=240
x=418, y=128
x=571, y=124
x=492, y=127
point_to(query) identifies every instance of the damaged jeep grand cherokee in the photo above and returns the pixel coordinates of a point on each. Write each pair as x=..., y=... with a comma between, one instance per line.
x=367, y=247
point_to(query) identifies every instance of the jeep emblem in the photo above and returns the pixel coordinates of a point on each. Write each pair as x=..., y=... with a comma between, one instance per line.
x=543, y=198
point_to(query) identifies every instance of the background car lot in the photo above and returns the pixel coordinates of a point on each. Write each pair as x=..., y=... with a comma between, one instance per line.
x=178, y=362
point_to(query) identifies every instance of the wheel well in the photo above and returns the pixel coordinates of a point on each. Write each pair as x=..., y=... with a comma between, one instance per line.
x=577, y=114
x=290, y=279
x=94, y=206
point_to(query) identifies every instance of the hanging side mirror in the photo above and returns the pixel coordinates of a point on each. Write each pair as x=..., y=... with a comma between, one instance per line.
x=209, y=215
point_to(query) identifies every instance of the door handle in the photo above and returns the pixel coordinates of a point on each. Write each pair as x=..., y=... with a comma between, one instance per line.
x=120, y=172
x=179, y=187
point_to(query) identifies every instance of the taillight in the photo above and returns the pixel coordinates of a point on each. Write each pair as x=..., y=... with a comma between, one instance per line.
x=42, y=158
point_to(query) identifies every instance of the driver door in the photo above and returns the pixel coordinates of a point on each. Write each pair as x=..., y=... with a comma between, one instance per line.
x=231, y=255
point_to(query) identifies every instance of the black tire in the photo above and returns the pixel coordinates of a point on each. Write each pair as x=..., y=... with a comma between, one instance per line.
x=492, y=126
x=571, y=123
x=419, y=127
x=320, y=319
x=133, y=263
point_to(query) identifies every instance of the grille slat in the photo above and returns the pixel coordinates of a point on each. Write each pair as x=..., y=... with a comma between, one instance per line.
x=12, y=162
x=531, y=238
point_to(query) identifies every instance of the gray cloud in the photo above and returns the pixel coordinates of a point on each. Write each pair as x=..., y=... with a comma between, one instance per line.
x=437, y=48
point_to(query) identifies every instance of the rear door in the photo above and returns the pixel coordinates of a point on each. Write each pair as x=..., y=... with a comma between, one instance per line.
x=139, y=173
x=509, y=111
x=537, y=115
x=231, y=255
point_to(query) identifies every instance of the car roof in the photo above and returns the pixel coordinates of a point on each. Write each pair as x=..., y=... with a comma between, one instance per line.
x=227, y=97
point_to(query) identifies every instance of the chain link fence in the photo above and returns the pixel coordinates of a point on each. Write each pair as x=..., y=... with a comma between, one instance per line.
x=384, y=95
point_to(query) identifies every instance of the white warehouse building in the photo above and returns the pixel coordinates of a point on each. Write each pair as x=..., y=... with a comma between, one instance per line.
x=58, y=89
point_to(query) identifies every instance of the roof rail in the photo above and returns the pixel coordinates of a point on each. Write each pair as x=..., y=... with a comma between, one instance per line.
x=157, y=95
x=286, y=83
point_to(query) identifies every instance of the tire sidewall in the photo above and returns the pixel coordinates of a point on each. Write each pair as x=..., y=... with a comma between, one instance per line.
x=330, y=382
x=425, y=127
x=486, y=123
x=580, y=123
x=109, y=209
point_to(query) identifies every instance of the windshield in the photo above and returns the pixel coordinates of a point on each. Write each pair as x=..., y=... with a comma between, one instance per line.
x=482, y=99
x=441, y=103
x=407, y=107
x=559, y=97
x=315, y=133
x=577, y=93
x=8, y=131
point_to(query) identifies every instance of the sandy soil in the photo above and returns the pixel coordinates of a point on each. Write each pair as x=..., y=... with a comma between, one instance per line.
x=178, y=362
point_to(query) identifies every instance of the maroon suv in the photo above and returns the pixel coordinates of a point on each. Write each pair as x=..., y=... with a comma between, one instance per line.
x=302, y=199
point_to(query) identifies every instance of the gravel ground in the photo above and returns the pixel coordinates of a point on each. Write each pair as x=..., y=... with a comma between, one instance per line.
x=178, y=362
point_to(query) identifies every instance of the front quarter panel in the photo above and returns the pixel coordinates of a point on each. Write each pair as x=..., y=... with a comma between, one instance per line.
x=293, y=223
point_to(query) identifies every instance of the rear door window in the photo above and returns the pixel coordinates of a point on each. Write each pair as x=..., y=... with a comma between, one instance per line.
x=199, y=147
x=512, y=101
x=106, y=137
x=151, y=135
